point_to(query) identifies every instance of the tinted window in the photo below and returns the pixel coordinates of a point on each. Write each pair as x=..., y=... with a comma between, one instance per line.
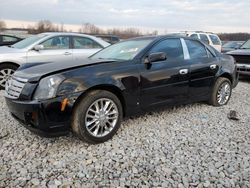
x=85, y=43
x=195, y=36
x=215, y=40
x=172, y=48
x=204, y=38
x=54, y=43
x=9, y=39
x=196, y=49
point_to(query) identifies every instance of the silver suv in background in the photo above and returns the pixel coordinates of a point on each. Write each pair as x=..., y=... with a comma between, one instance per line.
x=45, y=48
x=208, y=38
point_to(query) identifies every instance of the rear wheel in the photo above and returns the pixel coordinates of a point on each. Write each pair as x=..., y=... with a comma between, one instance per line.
x=6, y=70
x=97, y=116
x=221, y=92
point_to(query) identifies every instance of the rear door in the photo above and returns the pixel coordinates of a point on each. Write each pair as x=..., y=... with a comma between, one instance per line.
x=55, y=49
x=165, y=82
x=84, y=47
x=203, y=67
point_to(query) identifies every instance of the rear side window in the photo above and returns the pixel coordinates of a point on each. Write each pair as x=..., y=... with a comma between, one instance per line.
x=85, y=43
x=215, y=40
x=172, y=48
x=204, y=38
x=194, y=36
x=196, y=49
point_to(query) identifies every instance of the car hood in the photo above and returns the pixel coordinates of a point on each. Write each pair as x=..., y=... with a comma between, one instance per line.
x=240, y=52
x=8, y=50
x=33, y=72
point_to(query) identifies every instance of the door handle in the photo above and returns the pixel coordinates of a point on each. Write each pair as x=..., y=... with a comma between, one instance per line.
x=67, y=53
x=213, y=66
x=183, y=71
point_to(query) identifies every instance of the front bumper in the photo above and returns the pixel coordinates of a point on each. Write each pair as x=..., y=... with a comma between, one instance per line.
x=46, y=118
x=243, y=68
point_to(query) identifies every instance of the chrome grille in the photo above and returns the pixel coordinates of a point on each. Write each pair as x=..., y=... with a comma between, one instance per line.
x=14, y=87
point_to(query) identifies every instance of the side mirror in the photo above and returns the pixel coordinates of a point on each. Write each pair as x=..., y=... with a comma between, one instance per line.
x=154, y=57
x=38, y=47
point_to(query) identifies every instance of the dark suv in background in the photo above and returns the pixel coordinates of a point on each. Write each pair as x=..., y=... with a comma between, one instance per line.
x=91, y=96
x=242, y=57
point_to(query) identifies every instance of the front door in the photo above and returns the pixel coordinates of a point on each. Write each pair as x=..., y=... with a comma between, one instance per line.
x=56, y=49
x=165, y=82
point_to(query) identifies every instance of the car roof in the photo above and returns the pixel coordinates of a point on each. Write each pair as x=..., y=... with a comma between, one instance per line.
x=104, y=43
x=158, y=37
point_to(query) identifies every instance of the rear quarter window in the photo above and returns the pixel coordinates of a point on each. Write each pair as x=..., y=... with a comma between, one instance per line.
x=215, y=40
x=204, y=38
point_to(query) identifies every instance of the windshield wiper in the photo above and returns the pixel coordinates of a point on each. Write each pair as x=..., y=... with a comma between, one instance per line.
x=110, y=59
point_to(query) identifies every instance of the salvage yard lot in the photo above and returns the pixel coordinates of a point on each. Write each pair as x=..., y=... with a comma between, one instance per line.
x=192, y=145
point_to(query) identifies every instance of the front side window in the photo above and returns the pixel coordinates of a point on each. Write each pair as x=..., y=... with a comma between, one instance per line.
x=55, y=43
x=196, y=49
x=215, y=40
x=126, y=50
x=172, y=48
x=85, y=43
x=204, y=38
x=9, y=39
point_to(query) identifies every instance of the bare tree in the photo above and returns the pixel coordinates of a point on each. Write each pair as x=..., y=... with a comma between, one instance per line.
x=2, y=25
x=43, y=26
x=90, y=29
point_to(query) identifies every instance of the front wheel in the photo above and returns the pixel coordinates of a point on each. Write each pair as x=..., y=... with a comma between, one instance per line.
x=97, y=116
x=221, y=92
x=6, y=70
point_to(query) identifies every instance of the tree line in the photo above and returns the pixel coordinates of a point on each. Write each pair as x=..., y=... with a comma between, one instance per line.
x=88, y=28
x=234, y=36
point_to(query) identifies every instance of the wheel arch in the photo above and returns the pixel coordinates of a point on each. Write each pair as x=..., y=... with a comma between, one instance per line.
x=9, y=63
x=107, y=87
x=227, y=75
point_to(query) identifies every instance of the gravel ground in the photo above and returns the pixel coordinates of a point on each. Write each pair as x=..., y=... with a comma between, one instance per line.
x=189, y=146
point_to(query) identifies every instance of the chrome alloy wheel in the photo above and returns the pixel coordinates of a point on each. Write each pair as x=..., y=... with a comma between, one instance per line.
x=101, y=117
x=224, y=93
x=4, y=75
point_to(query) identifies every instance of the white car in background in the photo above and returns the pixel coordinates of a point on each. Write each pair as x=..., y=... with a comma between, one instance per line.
x=45, y=48
x=208, y=38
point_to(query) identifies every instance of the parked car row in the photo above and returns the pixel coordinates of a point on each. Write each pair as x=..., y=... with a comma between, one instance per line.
x=46, y=48
x=54, y=91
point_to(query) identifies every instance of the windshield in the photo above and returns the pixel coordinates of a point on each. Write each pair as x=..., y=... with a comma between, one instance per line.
x=126, y=50
x=246, y=45
x=28, y=41
x=232, y=44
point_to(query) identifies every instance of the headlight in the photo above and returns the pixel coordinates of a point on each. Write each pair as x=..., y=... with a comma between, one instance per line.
x=47, y=87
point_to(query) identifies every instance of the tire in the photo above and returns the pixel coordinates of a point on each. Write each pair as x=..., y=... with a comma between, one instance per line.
x=6, y=70
x=87, y=108
x=215, y=96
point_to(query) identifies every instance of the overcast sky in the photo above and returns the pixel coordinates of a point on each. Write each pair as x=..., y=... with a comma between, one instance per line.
x=163, y=15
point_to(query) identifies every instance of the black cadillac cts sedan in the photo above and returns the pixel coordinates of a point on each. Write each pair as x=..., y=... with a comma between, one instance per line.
x=90, y=97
